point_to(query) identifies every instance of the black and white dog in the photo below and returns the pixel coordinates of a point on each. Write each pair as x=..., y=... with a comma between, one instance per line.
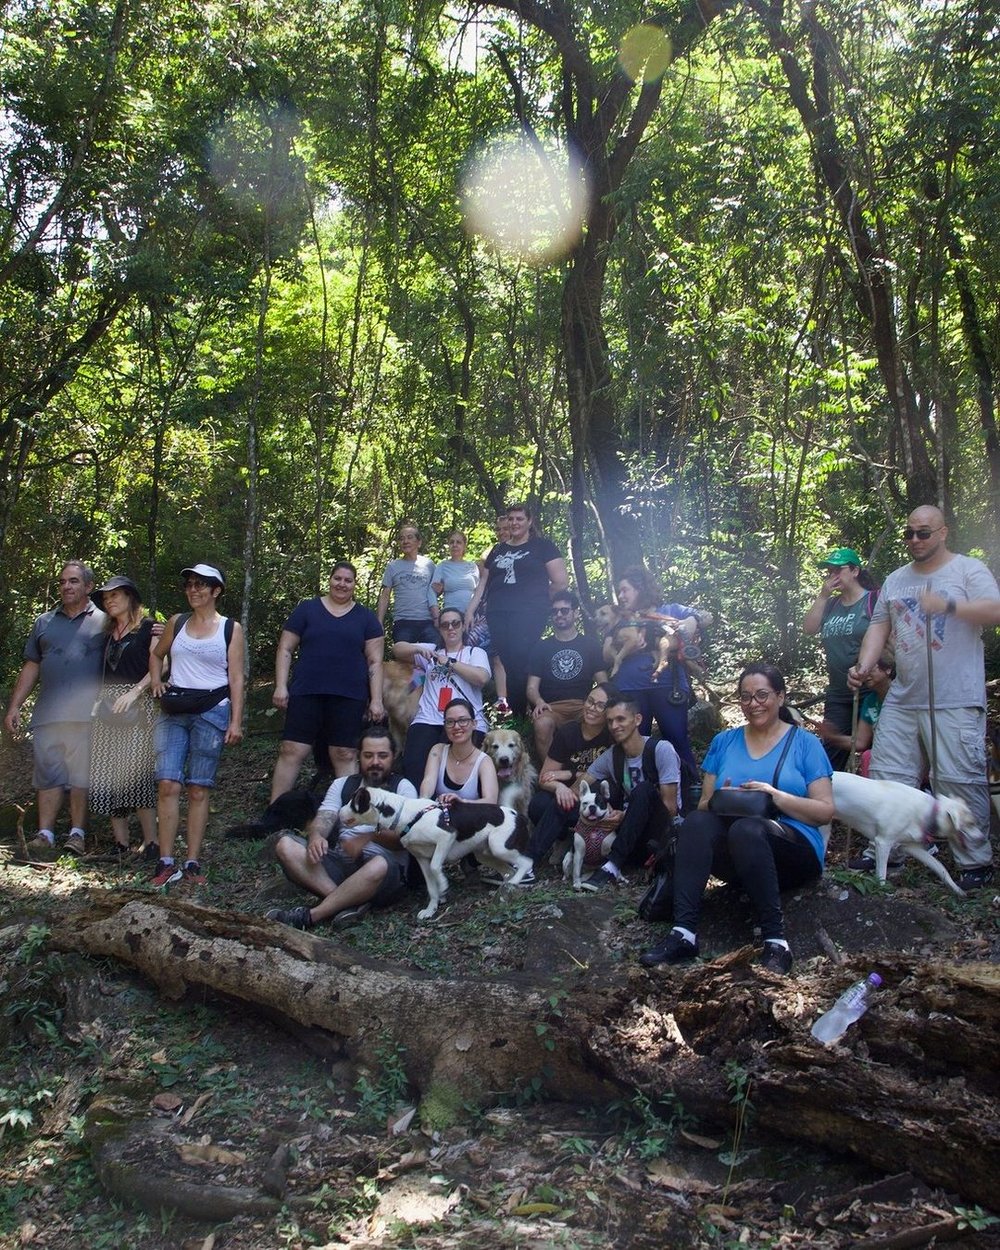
x=435, y=836
x=895, y=817
x=590, y=844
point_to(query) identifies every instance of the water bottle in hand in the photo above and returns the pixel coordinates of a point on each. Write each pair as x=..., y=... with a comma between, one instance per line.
x=850, y=1006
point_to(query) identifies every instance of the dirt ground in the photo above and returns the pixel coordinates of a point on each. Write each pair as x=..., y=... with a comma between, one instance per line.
x=129, y=1121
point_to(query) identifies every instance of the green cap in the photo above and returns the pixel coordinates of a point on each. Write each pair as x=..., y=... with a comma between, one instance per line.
x=841, y=555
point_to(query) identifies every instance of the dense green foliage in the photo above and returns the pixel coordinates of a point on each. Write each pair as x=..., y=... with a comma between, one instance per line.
x=241, y=319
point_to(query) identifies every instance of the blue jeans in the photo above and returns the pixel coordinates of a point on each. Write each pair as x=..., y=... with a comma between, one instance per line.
x=188, y=746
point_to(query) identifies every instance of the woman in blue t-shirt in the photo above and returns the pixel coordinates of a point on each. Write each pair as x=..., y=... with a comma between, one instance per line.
x=763, y=855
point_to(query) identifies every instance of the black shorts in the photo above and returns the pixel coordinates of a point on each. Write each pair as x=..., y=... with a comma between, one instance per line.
x=330, y=716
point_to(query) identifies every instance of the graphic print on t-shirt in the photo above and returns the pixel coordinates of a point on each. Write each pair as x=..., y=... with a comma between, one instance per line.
x=506, y=560
x=567, y=664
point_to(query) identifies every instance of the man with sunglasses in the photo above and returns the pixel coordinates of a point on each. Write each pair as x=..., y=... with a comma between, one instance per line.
x=561, y=670
x=952, y=597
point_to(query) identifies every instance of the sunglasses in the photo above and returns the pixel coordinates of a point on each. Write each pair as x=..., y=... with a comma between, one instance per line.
x=923, y=534
x=561, y=612
x=451, y=624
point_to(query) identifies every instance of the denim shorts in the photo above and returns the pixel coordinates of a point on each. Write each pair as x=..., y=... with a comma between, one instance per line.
x=191, y=739
x=61, y=752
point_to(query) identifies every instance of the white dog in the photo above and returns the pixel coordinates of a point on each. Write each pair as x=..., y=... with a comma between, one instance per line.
x=515, y=771
x=591, y=844
x=436, y=836
x=897, y=817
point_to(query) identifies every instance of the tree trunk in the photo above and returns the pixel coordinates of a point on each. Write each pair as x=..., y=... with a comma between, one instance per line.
x=913, y=1086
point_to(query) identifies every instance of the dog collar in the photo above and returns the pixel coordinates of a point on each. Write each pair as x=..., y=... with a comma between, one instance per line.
x=928, y=833
x=394, y=823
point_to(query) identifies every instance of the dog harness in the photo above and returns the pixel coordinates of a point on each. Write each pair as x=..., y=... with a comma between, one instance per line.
x=392, y=825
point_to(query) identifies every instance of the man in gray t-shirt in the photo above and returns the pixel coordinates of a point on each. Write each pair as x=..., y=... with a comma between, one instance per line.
x=948, y=598
x=63, y=656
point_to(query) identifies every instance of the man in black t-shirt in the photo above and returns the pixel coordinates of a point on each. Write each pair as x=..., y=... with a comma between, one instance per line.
x=561, y=670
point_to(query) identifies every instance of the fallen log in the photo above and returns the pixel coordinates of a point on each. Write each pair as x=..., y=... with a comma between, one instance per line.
x=913, y=1085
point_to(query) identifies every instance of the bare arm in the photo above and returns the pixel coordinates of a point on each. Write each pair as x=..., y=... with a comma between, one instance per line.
x=383, y=604
x=534, y=696
x=236, y=657
x=489, y=786
x=477, y=594
x=27, y=678
x=812, y=622
x=374, y=650
x=668, y=795
x=158, y=654
x=558, y=577
x=972, y=611
x=429, y=783
x=287, y=644
x=872, y=646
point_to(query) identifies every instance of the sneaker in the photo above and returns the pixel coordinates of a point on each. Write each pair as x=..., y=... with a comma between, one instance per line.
x=775, y=958
x=193, y=874
x=525, y=883
x=975, y=878
x=294, y=917
x=151, y=853
x=490, y=876
x=865, y=862
x=599, y=881
x=166, y=874
x=349, y=916
x=74, y=845
x=675, y=950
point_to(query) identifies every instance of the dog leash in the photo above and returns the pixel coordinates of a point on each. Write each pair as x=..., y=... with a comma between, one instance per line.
x=852, y=758
x=929, y=631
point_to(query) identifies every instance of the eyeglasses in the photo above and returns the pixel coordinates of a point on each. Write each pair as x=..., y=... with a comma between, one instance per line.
x=755, y=696
x=597, y=707
x=458, y=722
x=923, y=534
x=197, y=584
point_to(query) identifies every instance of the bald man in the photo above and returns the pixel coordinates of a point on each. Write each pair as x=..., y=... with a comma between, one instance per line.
x=953, y=596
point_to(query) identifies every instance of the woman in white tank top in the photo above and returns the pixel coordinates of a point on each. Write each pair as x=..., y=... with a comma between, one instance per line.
x=458, y=769
x=188, y=745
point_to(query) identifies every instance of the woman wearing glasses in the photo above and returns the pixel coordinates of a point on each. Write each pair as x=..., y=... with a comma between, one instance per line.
x=448, y=669
x=840, y=614
x=456, y=768
x=554, y=807
x=764, y=854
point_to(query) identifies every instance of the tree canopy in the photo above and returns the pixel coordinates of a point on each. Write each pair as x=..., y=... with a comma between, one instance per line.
x=243, y=319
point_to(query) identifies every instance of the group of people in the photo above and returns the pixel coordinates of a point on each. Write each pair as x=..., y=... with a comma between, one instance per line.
x=115, y=732
x=903, y=663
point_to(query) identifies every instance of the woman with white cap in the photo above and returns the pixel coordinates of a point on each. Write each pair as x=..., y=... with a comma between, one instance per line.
x=121, y=762
x=202, y=710
x=840, y=614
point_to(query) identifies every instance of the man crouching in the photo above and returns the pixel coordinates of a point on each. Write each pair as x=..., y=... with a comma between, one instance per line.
x=364, y=867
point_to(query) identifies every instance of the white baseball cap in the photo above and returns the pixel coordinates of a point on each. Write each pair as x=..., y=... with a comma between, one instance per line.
x=208, y=571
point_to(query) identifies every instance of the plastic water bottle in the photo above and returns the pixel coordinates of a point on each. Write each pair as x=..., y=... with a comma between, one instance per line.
x=850, y=1006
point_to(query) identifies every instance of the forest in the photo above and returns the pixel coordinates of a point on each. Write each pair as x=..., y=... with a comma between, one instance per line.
x=248, y=314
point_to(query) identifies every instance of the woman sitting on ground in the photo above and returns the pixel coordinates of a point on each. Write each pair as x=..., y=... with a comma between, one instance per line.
x=765, y=855
x=448, y=670
x=457, y=769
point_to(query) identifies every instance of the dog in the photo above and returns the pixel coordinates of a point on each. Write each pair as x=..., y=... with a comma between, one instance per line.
x=400, y=696
x=435, y=836
x=515, y=771
x=897, y=817
x=590, y=844
x=292, y=810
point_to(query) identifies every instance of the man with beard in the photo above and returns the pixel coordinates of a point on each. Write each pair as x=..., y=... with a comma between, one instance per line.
x=364, y=867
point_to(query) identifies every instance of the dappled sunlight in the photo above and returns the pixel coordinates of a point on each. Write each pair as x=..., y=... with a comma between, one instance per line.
x=645, y=53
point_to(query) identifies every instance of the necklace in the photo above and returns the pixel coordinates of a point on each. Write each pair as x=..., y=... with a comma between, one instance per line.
x=461, y=759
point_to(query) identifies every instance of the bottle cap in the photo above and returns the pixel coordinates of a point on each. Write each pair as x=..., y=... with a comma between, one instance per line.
x=874, y=979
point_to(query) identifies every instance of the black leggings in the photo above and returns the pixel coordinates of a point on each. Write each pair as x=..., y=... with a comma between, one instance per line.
x=513, y=636
x=762, y=856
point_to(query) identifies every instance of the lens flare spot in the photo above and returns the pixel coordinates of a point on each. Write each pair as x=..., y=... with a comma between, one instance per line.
x=645, y=53
x=525, y=196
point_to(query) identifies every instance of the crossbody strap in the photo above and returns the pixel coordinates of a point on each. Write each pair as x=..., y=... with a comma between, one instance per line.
x=781, y=758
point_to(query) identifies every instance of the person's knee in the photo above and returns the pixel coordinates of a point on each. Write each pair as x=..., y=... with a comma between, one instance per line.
x=288, y=850
x=198, y=794
x=343, y=755
x=169, y=789
x=746, y=833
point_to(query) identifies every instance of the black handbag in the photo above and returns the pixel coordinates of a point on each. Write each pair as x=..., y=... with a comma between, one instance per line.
x=657, y=904
x=732, y=802
x=104, y=711
x=181, y=700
